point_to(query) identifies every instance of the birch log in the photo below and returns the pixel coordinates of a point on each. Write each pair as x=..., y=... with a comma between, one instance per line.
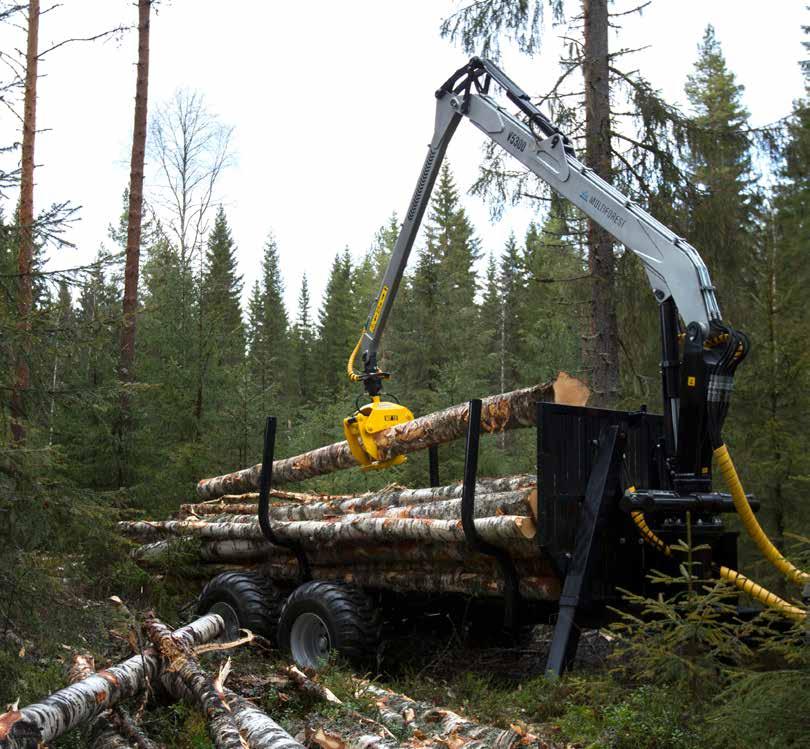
x=84, y=701
x=255, y=726
x=113, y=729
x=499, y=530
x=393, y=494
x=208, y=695
x=519, y=502
x=498, y=413
x=546, y=588
x=243, y=551
x=405, y=715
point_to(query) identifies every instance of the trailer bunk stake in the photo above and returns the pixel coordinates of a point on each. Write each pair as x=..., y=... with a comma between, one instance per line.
x=510, y=576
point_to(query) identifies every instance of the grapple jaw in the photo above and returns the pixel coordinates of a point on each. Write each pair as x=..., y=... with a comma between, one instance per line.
x=360, y=428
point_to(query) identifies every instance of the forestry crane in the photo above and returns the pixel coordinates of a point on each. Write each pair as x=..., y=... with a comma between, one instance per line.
x=700, y=352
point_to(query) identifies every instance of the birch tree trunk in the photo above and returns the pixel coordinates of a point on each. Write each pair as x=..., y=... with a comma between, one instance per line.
x=113, y=729
x=499, y=412
x=134, y=217
x=25, y=254
x=602, y=349
x=84, y=701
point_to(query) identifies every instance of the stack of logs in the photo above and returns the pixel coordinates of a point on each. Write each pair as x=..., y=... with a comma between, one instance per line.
x=395, y=539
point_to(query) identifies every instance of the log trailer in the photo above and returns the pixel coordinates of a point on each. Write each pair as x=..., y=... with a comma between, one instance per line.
x=616, y=488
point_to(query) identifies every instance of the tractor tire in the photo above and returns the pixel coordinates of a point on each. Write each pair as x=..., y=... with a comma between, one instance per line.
x=322, y=617
x=248, y=599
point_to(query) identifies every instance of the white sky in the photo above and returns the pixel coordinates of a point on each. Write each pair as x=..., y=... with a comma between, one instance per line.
x=332, y=104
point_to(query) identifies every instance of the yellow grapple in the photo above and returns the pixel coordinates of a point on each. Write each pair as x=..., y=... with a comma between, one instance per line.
x=367, y=421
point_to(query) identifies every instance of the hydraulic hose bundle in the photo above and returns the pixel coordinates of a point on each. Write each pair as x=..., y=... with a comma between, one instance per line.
x=735, y=348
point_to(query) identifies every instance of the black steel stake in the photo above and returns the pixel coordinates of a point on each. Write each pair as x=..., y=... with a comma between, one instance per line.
x=265, y=479
x=511, y=588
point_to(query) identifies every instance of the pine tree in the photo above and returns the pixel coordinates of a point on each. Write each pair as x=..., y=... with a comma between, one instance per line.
x=451, y=240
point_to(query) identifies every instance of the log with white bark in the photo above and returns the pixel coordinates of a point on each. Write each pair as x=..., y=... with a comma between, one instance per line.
x=421, y=580
x=159, y=553
x=84, y=701
x=179, y=658
x=255, y=726
x=499, y=530
x=498, y=413
x=315, y=506
x=258, y=729
x=103, y=734
x=519, y=502
x=421, y=719
x=113, y=729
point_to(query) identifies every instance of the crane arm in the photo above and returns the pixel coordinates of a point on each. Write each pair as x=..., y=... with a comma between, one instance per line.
x=674, y=268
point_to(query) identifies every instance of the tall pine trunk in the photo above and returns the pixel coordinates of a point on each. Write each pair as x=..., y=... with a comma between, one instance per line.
x=25, y=258
x=133, y=252
x=602, y=349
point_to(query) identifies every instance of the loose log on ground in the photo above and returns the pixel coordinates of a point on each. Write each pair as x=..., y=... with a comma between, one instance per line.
x=404, y=714
x=180, y=658
x=499, y=530
x=255, y=726
x=499, y=412
x=103, y=734
x=160, y=553
x=85, y=700
x=546, y=588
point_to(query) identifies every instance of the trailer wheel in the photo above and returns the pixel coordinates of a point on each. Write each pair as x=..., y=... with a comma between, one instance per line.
x=245, y=600
x=321, y=617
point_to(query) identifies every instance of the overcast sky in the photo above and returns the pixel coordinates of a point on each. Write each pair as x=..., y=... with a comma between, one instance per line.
x=332, y=106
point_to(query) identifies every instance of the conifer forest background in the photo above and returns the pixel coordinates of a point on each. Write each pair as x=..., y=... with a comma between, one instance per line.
x=107, y=425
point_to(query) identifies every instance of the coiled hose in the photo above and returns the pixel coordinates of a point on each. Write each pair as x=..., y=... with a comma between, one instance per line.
x=763, y=596
x=747, y=586
x=749, y=521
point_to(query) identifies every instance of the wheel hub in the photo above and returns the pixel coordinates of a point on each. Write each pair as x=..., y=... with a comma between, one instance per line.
x=231, y=619
x=309, y=641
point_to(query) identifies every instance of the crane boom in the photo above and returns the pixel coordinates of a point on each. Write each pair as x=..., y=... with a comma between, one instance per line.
x=678, y=276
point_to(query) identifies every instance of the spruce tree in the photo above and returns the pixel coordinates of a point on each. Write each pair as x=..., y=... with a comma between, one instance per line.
x=221, y=292
x=722, y=210
x=338, y=326
x=555, y=316
x=302, y=342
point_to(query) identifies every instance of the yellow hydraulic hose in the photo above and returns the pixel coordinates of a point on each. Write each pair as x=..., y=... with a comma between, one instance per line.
x=353, y=376
x=741, y=581
x=649, y=535
x=749, y=521
x=762, y=595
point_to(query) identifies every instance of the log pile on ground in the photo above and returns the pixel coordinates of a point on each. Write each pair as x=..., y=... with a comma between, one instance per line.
x=402, y=722
x=93, y=700
x=170, y=669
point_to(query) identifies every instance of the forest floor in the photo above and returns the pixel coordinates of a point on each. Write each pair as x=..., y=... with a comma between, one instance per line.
x=501, y=686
